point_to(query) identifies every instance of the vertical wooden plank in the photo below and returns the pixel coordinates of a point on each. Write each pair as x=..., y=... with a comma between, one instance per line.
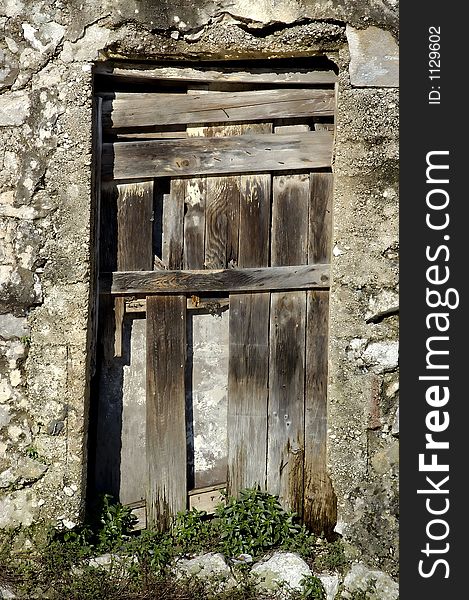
x=290, y=219
x=285, y=445
x=320, y=504
x=134, y=226
x=248, y=377
x=166, y=421
x=173, y=225
x=222, y=210
x=320, y=218
x=223, y=197
x=222, y=222
x=131, y=371
x=134, y=239
x=194, y=207
x=248, y=390
x=254, y=224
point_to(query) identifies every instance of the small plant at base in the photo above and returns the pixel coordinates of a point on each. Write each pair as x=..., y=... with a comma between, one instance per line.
x=331, y=557
x=254, y=523
x=312, y=588
x=192, y=531
x=116, y=523
x=153, y=551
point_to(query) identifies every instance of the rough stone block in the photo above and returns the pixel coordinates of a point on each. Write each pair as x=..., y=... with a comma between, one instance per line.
x=374, y=57
x=281, y=568
x=14, y=108
x=378, y=585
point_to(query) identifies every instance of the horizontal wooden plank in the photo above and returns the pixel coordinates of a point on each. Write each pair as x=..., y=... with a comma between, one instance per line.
x=253, y=75
x=206, y=499
x=129, y=110
x=193, y=303
x=232, y=154
x=150, y=135
x=219, y=280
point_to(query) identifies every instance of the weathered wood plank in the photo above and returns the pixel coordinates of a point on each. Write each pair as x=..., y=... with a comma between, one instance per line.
x=285, y=451
x=285, y=456
x=324, y=127
x=134, y=226
x=206, y=398
x=150, y=135
x=127, y=395
x=223, y=216
x=134, y=239
x=320, y=505
x=190, y=193
x=214, y=304
x=249, y=337
x=173, y=225
x=222, y=222
x=166, y=421
x=194, y=217
x=232, y=154
x=320, y=218
x=254, y=225
x=290, y=200
x=253, y=75
x=248, y=390
x=207, y=498
x=146, y=110
x=217, y=280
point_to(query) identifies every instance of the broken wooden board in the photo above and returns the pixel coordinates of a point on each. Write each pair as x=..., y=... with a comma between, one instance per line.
x=232, y=154
x=280, y=76
x=206, y=499
x=213, y=305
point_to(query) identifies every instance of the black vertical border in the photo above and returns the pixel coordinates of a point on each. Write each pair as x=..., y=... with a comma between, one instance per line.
x=424, y=128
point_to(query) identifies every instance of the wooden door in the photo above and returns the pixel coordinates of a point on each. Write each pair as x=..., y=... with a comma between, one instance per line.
x=217, y=191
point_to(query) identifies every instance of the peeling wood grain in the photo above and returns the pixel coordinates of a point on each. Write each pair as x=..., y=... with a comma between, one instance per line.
x=253, y=75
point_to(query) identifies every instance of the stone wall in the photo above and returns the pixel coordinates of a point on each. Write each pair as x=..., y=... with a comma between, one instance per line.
x=47, y=51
